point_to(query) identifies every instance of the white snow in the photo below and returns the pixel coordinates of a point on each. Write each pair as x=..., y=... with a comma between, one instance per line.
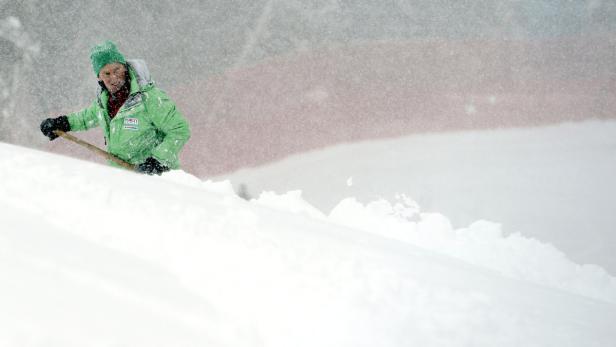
x=96, y=256
x=556, y=183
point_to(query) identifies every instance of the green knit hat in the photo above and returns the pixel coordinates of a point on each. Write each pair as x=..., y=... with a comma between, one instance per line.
x=104, y=54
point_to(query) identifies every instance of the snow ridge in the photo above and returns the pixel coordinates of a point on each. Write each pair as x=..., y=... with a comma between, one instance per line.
x=482, y=243
x=92, y=255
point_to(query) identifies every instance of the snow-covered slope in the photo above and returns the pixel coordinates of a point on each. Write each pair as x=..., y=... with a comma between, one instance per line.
x=556, y=183
x=91, y=255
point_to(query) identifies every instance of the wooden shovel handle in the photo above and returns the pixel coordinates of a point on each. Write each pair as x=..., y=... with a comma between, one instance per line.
x=96, y=150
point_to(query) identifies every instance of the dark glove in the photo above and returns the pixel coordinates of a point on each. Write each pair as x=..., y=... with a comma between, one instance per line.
x=50, y=124
x=152, y=166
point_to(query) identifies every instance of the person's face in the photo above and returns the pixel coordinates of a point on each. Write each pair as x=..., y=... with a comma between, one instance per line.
x=113, y=76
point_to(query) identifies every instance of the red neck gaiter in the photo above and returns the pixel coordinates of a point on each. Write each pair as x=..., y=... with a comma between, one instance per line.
x=118, y=99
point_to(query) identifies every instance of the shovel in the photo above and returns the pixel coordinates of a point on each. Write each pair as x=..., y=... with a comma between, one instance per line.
x=96, y=150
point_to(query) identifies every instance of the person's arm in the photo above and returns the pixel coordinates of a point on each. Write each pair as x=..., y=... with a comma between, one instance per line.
x=168, y=120
x=76, y=121
x=85, y=119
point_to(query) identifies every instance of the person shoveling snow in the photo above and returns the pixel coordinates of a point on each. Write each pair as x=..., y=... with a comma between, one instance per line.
x=142, y=126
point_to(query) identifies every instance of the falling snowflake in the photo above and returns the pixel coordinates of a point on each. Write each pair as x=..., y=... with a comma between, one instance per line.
x=349, y=181
x=470, y=109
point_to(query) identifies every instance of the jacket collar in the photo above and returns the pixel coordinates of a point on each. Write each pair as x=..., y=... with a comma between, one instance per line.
x=134, y=85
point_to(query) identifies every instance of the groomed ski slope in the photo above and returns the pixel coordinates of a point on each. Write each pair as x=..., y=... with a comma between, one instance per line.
x=96, y=256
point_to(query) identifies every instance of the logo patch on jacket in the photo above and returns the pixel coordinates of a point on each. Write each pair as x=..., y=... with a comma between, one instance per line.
x=132, y=101
x=131, y=123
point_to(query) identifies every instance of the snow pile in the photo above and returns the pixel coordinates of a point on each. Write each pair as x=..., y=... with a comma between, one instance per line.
x=91, y=255
x=290, y=202
x=555, y=183
x=482, y=243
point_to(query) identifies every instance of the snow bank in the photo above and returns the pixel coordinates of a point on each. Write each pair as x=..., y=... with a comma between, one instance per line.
x=290, y=202
x=91, y=255
x=482, y=244
x=555, y=183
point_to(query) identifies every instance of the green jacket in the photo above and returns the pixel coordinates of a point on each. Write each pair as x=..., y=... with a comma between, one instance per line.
x=147, y=125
